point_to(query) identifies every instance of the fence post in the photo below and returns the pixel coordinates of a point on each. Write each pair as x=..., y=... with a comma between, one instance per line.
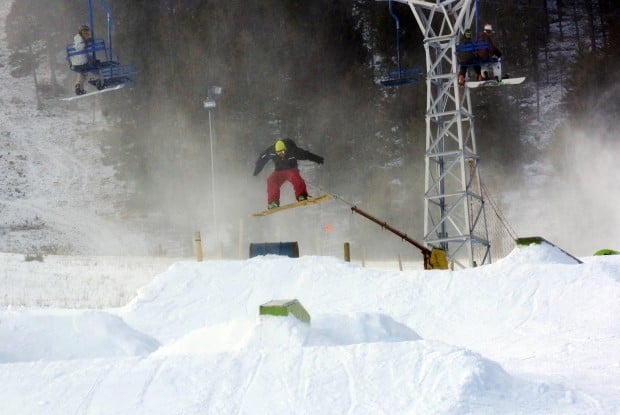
x=347, y=252
x=198, y=246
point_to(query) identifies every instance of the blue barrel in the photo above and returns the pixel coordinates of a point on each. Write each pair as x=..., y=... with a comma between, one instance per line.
x=290, y=249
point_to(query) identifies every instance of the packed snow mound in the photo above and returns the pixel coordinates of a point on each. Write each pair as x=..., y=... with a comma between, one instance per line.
x=496, y=299
x=424, y=377
x=46, y=334
x=273, y=332
x=359, y=328
x=419, y=377
x=192, y=295
x=539, y=253
x=361, y=353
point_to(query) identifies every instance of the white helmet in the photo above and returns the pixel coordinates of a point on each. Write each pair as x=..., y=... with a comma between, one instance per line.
x=488, y=27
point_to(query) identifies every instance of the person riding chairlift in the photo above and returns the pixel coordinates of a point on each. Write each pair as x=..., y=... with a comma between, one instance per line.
x=492, y=52
x=467, y=58
x=82, y=62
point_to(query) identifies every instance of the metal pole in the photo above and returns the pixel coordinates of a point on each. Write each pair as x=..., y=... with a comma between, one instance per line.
x=108, y=12
x=91, y=19
x=213, y=179
x=397, y=37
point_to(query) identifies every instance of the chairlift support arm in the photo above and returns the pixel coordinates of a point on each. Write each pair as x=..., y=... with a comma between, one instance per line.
x=91, y=21
x=395, y=17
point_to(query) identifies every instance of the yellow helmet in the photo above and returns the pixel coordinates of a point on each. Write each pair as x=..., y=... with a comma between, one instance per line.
x=280, y=146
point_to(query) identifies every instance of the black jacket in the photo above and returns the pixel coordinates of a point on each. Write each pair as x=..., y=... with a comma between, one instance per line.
x=289, y=161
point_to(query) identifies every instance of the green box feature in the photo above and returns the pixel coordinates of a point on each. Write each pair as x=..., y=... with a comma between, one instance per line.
x=284, y=308
x=529, y=240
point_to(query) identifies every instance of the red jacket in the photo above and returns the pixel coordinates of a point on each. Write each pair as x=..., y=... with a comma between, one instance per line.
x=491, y=52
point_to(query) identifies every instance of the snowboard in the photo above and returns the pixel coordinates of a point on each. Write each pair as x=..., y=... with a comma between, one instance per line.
x=309, y=201
x=493, y=82
x=88, y=94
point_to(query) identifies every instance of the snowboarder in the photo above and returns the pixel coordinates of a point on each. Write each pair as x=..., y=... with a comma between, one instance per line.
x=284, y=154
x=492, y=52
x=82, y=62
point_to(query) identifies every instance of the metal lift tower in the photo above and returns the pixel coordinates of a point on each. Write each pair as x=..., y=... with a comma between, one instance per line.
x=454, y=218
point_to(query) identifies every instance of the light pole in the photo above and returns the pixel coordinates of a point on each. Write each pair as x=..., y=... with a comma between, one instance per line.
x=209, y=105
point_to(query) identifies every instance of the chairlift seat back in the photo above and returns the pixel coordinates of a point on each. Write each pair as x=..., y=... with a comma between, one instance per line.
x=98, y=45
x=473, y=48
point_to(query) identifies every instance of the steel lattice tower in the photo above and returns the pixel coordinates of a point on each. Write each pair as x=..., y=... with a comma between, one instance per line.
x=454, y=218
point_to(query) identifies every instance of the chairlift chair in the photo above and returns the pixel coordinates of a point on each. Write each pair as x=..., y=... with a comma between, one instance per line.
x=401, y=76
x=105, y=70
x=490, y=68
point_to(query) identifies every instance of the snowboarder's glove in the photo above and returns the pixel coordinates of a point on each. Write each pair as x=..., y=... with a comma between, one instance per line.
x=319, y=160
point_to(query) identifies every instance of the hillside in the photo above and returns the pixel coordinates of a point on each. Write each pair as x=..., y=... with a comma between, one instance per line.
x=130, y=173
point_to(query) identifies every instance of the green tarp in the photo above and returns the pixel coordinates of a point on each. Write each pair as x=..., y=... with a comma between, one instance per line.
x=606, y=252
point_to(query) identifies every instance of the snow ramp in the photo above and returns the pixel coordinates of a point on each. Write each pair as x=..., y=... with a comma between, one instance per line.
x=427, y=342
x=551, y=248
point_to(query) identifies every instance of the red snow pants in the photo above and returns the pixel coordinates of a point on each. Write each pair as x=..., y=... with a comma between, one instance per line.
x=277, y=179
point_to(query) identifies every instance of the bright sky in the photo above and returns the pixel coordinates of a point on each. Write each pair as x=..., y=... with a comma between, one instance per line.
x=534, y=333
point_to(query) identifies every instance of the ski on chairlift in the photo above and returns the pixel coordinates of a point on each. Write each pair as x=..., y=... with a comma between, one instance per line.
x=95, y=92
x=492, y=73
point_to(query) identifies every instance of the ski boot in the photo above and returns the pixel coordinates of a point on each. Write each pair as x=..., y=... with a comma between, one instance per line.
x=79, y=90
x=273, y=204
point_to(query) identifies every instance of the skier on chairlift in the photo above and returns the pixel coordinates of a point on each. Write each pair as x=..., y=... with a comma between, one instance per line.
x=82, y=62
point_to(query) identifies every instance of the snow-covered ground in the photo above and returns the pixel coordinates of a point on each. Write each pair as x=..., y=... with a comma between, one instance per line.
x=535, y=333
x=75, y=282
